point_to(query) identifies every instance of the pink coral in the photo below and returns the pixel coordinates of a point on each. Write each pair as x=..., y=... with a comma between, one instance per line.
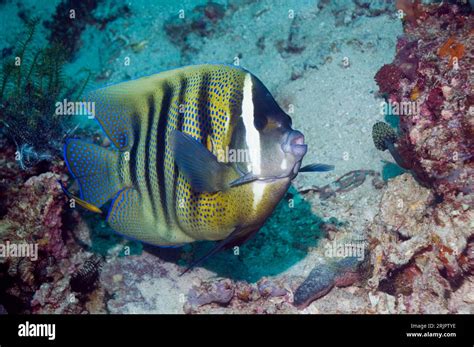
x=388, y=78
x=38, y=210
x=435, y=100
x=33, y=207
x=437, y=138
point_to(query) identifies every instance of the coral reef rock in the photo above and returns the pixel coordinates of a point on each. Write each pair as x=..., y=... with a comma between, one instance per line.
x=429, y=83
x=419, y=247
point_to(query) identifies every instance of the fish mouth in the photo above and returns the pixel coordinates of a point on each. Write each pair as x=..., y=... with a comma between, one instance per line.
x=294, y=144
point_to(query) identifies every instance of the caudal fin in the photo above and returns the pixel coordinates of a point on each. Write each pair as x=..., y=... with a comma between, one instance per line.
x=95, y=168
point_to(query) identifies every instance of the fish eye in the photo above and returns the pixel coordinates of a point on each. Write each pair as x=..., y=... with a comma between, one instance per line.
x=260, y=122
x=279, y=121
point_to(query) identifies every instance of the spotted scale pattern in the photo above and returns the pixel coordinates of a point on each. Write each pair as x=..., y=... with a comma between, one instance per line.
x=211, y=98
x=152, y=200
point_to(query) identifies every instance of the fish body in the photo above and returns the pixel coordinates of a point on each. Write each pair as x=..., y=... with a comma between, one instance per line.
x=165, y=178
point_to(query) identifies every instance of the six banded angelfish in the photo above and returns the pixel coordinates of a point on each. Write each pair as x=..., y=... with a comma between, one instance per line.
x=163, y=182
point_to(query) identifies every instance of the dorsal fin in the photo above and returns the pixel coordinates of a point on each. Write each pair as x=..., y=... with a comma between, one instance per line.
x=119, y=108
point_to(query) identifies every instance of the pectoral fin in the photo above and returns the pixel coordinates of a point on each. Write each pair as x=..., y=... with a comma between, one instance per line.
x=200, y=167
x=247, y=178
x=316, y=168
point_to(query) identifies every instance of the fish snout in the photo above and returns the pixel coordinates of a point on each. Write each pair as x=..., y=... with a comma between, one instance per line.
x=295, y=145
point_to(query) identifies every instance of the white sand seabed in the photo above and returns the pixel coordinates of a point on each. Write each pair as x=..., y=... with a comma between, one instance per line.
x=334, y=106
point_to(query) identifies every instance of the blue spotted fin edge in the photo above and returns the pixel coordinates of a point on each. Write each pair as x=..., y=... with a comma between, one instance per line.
x=114, y=114
x=200, y=167
x=125, y=215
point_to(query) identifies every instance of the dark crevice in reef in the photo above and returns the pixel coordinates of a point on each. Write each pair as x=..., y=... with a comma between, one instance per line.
x=203, y=21
x=399, y=281
x=67, y=31
x=455, y=282
x=11, y=303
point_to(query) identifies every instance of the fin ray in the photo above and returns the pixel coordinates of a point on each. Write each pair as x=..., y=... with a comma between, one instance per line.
x=95, y=168
x=318, y=167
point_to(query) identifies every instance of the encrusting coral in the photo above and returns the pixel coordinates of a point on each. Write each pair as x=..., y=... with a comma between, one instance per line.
x=418, y=248
x=452, y=49
x=34, y=214
x=431, y=69
x=421, y=236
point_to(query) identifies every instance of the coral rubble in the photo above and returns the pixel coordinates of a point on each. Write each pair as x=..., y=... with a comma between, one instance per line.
x=220, y=296
x=418, y=248
x=203, y=22
x=421, y=238
x=35, y=215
